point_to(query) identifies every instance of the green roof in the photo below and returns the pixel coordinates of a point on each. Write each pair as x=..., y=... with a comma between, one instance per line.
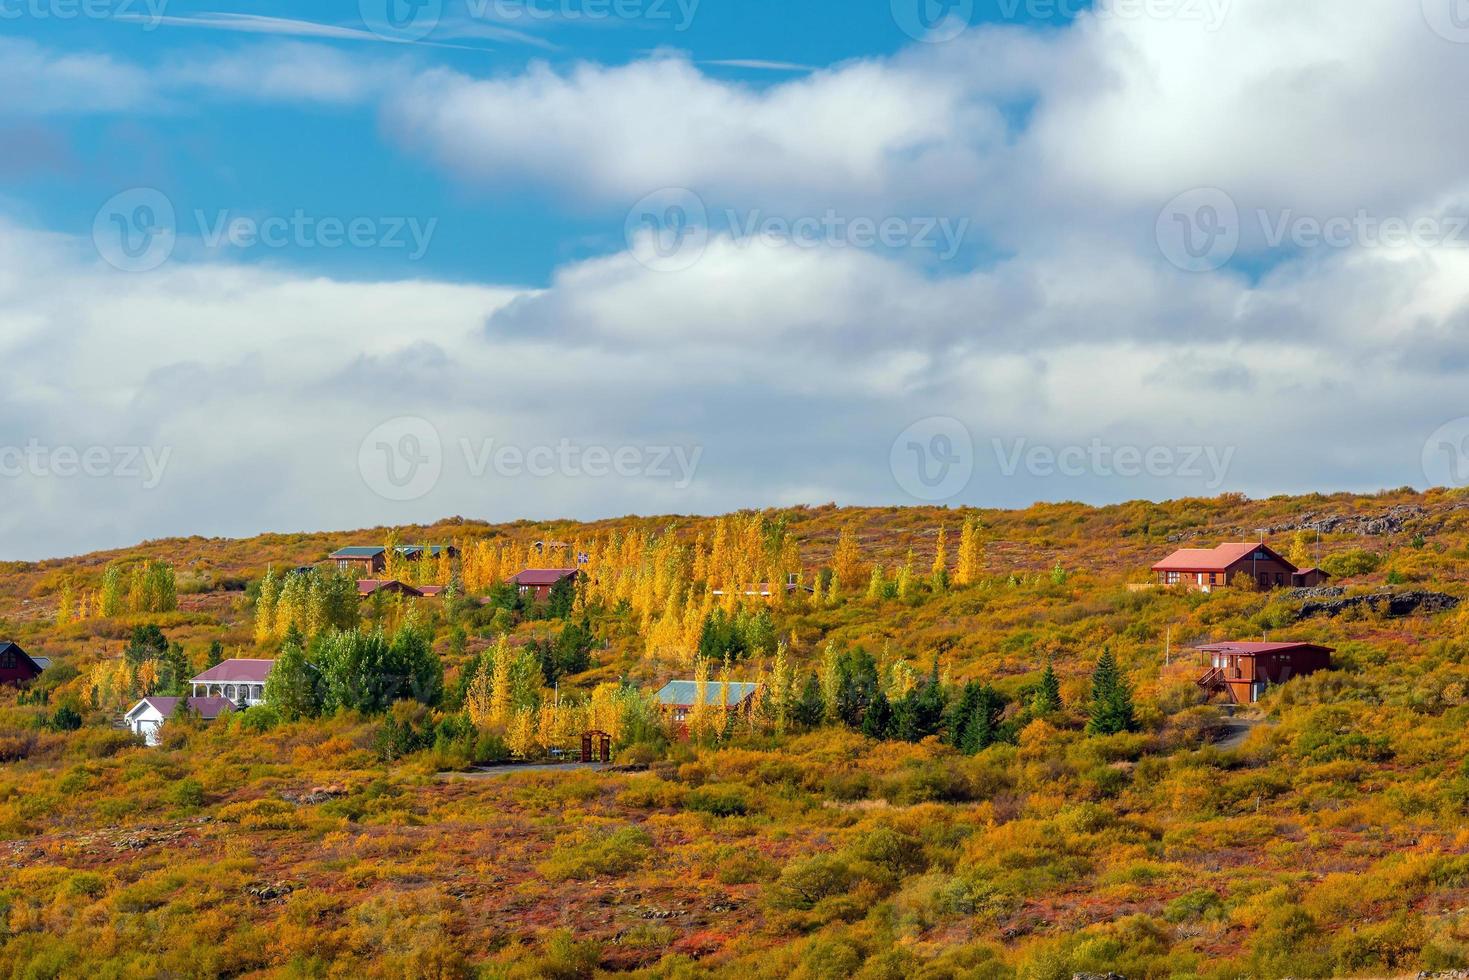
x=685, y=693
x=357, y=552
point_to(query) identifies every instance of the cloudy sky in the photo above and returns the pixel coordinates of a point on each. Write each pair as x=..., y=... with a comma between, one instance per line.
x=544, y=258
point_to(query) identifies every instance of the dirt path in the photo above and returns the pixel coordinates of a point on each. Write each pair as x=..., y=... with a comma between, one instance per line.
x=1236, y=730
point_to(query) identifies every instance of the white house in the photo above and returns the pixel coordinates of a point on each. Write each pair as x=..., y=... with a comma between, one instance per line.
x=149, y=714
x=242, y=681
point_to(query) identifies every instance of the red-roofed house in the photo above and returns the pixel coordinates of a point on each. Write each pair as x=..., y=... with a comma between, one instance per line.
x=241, y=681
x=1242, y=671
x=1205, y=568
x=390, y=586
x=150, y=714
x=541, y=580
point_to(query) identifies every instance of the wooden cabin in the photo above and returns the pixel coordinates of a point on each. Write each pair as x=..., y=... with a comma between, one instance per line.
x=1243, y=671
x=1205, y=569
x=18, y=667
x=540, y=581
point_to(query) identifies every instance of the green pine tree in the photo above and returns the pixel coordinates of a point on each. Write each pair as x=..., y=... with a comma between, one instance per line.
x=1110, y=709
x=1048, y=695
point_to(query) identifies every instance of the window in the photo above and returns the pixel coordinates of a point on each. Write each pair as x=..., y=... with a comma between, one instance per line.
x=1172, y=578
x=7, y=659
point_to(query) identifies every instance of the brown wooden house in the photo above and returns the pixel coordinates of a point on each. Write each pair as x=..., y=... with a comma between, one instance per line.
x=540, y=581
x=1242, y=671
x=1205, y=569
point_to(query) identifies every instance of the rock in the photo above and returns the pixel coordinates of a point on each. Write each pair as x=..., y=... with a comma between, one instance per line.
x=1318, y=592
x=1385, y=603
x=269, y=892
x=1097, y=976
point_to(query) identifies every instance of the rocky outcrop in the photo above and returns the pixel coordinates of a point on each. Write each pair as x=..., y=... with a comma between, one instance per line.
x=1383, y=603
x=1394, y=521
x=1318, y=592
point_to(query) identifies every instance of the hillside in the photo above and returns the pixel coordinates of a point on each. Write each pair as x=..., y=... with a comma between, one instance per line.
x=1320, y=832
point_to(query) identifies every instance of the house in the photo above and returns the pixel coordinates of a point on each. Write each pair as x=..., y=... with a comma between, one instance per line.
x=1205, y=568
x=1242, y=671
x=239, y=681
x=541, y=580
x=368, y=587
x=357, y=560
x=677, y=699
x=431, y=591
x=150, y=714
x=17, y=666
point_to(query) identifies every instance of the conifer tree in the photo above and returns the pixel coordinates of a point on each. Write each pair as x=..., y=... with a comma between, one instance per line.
x=1110, y=709
x=1048, y=696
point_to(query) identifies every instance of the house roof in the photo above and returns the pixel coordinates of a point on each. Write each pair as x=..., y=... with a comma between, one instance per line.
x=372, y=586
x=543, y=576
x=358, y=551
x=235, y=672
x=431, y=590
x=1217, y=559
x=15, y=647
x=1259, y=649
x=683, y=694
x=208, y=708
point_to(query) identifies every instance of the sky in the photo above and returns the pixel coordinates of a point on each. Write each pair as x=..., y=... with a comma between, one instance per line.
x=280, y=267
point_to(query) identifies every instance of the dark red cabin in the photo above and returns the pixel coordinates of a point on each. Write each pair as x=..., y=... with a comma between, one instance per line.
x=16, y=666
x=1242, y=671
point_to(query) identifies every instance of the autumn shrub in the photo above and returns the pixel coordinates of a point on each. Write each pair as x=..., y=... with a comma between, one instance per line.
x=16, y=746
x=103, y=743
x=720, y=800
x=187, y=793
x=599, y=852
x=805, y=882
x=264, y=814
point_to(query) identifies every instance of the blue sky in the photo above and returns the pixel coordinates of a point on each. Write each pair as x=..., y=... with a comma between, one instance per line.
x=275, y=159
x=262, y=269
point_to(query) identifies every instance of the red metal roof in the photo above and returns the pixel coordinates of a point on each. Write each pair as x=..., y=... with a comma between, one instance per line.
x=1212, y=559
x=1258, y=649
x=543, y=576
x=208, y=708
x=235, y=672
